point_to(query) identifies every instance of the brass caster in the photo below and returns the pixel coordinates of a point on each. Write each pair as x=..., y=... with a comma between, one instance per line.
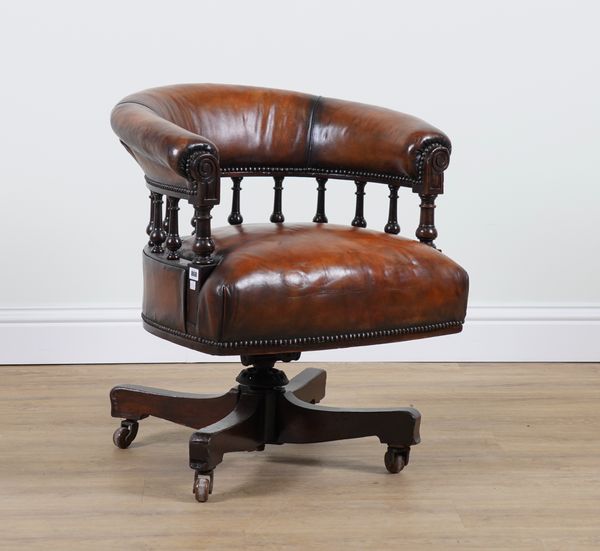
x=203, y=485
x=125, y=434
x=395, y=459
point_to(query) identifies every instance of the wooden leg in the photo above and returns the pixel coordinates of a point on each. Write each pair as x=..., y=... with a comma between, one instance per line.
x=308, y=385
x=306, y=423
x=242, y=430
x=192, y=410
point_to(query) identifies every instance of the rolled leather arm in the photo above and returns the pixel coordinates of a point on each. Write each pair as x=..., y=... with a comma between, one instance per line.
x=385, y=144
x=165, y=151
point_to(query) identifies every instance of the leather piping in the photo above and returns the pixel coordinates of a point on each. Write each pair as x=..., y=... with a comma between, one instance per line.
x=139, y=103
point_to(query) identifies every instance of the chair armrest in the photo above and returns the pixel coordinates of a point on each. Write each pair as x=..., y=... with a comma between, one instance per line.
x=167, y=153
x=385, y=145
x=177, y=162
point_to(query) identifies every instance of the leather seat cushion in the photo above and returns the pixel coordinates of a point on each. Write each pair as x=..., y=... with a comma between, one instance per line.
x=299, y=281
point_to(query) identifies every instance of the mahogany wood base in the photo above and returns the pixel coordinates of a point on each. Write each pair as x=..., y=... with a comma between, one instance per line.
x=248, y=417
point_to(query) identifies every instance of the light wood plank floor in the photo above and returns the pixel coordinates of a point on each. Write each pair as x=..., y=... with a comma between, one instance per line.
x=510, y=459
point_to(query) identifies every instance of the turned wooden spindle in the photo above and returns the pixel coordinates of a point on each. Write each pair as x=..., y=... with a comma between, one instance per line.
x=359, y=215
x=427, y=232
x=166, y=220
x=157, y=235
x=193, y=222
x=173, y=242
x=392, y=223
x=235, y=218
x=320, y=217
x=277, y=216
x=150, y=225
x=204, y=244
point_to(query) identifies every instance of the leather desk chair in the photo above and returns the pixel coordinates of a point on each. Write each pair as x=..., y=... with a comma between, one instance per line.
x=270, y=291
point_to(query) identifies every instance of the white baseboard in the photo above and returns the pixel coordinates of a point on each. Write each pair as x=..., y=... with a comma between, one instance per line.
x=115, y=335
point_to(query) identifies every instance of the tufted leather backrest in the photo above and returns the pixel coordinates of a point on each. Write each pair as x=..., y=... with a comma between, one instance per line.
x=254, y=128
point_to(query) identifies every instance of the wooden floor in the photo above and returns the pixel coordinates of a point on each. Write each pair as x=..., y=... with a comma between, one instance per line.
x=510, y=459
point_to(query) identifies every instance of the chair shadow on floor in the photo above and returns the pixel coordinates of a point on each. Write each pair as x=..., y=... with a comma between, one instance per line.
x=313, y=455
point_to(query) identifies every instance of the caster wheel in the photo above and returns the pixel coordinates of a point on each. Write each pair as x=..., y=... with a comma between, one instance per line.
x=203, y=485
x=395, y=459
x=125, y=434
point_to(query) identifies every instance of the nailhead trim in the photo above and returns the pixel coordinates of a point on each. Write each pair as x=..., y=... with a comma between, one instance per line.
x=311, y=171
x=306, y=340
x=421, y=156
x=169, y=187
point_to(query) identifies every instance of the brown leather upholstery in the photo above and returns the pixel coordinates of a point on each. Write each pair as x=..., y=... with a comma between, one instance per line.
x=253, y=129
x=293, y=287
x=265, y=289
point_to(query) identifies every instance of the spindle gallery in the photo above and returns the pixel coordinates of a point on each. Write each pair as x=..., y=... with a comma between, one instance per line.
x=426, y=231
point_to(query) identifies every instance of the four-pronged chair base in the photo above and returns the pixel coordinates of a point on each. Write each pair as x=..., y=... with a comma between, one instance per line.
x=271, y=412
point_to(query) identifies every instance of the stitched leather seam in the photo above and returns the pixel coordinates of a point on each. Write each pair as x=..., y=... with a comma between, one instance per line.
x=138, y=103
x=343, y=337
x=310, y=131
x=223, y=310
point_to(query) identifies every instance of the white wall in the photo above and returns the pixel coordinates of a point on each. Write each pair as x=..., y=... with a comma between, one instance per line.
x=515, y=84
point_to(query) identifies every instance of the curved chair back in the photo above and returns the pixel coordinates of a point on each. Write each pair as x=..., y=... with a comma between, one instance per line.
x=186, y=137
